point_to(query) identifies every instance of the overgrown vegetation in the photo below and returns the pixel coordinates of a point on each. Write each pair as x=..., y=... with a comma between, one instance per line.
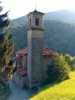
x=70, y=60
x=57, y=91
x=59, y=69
x=4, y=90
x=6, y=47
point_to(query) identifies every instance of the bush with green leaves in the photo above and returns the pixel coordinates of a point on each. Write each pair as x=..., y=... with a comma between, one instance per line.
x=59, y=69
x=70, y=60
x=72, y=63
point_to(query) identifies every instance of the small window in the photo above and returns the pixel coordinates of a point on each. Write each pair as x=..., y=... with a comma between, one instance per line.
x=37, y=21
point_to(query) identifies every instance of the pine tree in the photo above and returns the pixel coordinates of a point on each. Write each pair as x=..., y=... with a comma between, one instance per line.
x=4, y=20
x=6, y=48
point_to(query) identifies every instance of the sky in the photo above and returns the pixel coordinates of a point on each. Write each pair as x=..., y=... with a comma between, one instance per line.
x=20, y=8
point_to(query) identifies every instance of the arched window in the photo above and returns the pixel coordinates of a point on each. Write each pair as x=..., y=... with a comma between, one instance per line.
x=37, y=21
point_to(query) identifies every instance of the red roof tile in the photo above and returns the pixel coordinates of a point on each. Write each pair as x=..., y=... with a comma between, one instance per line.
x=22, y=71
x=46, y=51
x=23, y=51
x=16, y=57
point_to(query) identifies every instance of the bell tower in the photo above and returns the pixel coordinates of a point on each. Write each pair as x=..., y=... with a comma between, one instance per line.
x=35, y=48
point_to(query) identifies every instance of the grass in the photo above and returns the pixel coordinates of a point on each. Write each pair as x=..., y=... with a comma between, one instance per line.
x=57, y=91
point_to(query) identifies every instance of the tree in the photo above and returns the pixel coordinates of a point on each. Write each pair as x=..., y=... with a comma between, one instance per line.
x=59, y=69
x=4, y=20
x=68, y=58
x=6, y=48
x=72, y=63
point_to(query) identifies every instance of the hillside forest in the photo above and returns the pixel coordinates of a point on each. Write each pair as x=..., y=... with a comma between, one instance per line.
x=58, y=35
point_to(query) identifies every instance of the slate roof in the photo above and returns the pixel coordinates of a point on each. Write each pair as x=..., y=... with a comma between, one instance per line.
x=35, y=11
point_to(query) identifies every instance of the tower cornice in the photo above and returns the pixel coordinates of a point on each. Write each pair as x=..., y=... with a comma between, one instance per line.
x=34, y=12
x=41, y=29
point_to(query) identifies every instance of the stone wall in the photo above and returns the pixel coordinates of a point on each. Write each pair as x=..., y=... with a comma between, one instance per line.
x=35, y=60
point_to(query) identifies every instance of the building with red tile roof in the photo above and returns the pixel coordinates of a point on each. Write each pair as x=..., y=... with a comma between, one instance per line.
x=21, y=64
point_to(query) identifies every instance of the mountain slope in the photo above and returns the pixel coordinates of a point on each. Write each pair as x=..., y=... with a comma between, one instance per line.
x=58, y=36
x=63, y=15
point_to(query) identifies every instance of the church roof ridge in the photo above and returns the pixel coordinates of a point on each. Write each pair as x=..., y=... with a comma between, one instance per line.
x=46, y=51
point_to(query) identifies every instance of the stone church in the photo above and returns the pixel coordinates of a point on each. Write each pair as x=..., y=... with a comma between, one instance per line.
x=31, y=63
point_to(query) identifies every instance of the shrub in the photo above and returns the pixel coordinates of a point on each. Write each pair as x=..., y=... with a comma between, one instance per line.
x=2, y=81
x=59, y=69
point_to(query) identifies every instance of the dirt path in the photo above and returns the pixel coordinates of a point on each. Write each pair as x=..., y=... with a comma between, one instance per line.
x=18, y=93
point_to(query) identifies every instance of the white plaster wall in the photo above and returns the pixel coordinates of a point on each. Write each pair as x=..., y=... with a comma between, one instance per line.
x=20, y=80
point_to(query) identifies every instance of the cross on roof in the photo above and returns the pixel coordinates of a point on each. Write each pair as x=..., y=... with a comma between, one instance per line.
x=35, y=7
